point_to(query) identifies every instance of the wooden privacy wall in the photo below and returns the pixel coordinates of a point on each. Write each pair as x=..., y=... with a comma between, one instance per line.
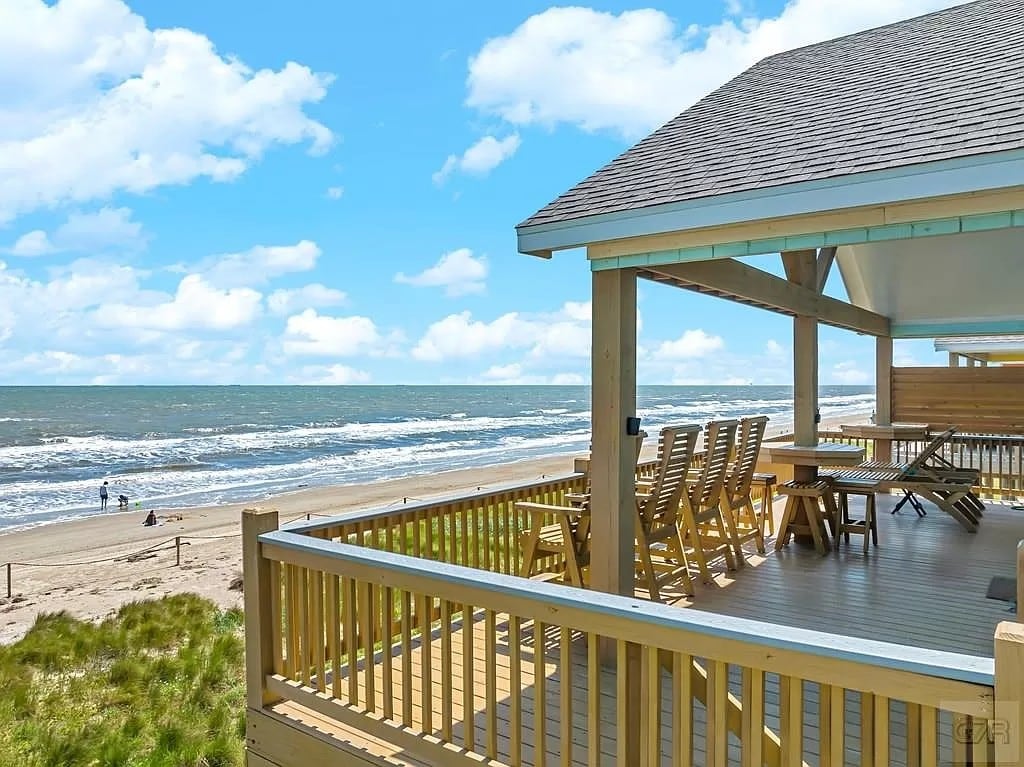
x=984, y=400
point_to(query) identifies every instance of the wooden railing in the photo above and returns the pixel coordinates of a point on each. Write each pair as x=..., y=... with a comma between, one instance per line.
x=480, y=530
x=455, y=666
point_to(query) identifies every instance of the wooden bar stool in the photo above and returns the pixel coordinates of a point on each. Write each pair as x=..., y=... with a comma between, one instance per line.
x=766, y=482
x=817, y=502
x=844, y=525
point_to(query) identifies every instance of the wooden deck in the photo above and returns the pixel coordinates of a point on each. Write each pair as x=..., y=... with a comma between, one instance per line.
x=924, y=586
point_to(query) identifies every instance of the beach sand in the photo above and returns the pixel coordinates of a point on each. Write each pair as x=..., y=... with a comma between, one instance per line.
x=101, y=578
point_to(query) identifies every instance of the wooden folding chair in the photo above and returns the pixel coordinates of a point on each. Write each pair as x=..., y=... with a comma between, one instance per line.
x=659, y=545
x=738, y=511
x=704, y=533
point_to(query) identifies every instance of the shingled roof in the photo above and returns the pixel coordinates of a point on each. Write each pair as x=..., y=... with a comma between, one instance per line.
x=946, y=85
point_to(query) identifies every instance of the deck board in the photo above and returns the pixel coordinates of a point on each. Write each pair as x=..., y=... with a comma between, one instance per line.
x=924, y=585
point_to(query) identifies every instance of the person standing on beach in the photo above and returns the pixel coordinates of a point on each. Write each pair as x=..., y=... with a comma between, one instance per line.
x=103, y=496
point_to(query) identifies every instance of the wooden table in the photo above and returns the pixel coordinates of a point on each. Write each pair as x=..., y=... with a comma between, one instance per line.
x=883, y=435
x=805, y=460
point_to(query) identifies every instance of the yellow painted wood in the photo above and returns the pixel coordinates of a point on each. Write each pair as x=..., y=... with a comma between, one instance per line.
x=593, y=701
x=929, y=737
x=717, y=728
x=565, y=677
x=367, y=604
x=406, y=626
x=753, y=717
x=539, y=697
x=261, y=648
x=1009, y=659
x=881, y=732
x=516, y=696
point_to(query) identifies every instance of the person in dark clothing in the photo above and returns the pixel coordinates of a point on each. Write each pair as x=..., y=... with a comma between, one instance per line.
x=151, y=519
x=103, y=496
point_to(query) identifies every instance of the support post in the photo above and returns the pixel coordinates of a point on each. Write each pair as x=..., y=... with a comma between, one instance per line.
x=970, y=362
x=613, y=464
x=801, y=268
x=1007, y=726
x=9, y=594
x=954, y=360
x=259, y=620
x=883, y=394
x=177, y=551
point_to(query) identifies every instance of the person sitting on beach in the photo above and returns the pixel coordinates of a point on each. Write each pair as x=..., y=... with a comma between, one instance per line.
x=151, y=519
x=122, y=501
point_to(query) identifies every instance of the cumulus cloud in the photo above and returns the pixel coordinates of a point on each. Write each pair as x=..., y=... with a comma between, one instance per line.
x=480, y=159
x=774, y=349
x=259, y=264
x=632, y=71
x=458, y=272
x=312, y=334
x=195, y=304
x=96, y=102
x=330, y=375
x=849, y=372
x=544, y=336
x=85, y=232
x=335, y=192
x=692, y=343
x=503, y=372
x=314, y=296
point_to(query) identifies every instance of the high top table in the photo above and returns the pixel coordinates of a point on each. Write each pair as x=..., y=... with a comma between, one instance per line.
x=805, y=461
x=884, y=434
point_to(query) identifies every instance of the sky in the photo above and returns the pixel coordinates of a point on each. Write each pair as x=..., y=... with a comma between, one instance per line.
x=326, y=193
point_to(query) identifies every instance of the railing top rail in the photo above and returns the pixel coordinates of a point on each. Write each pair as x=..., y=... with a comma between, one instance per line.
x=548, y=599
x=376, y=512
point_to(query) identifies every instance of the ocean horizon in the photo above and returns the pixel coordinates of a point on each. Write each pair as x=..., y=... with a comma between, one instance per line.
x=170, y=447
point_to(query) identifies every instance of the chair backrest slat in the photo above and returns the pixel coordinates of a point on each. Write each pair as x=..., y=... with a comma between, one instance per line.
x=931, y=449
x=677, y=447
x=748, y=447
x=721, y=439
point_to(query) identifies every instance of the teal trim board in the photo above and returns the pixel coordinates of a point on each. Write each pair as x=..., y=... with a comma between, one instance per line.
x=929, y=228
x=963, y=328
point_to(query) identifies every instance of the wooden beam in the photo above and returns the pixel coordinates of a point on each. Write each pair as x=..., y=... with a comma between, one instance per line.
x=954, y=360
x=795, y=262
x=826, y=256
x=613, y=456
x=749, y=285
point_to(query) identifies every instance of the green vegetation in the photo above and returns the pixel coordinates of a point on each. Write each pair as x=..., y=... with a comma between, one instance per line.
x=160, y=684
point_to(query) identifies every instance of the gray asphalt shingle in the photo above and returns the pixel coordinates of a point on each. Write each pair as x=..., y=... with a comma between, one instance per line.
x=946, y=85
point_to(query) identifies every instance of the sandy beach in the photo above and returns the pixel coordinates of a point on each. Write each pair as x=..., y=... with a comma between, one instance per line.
x=101, y=577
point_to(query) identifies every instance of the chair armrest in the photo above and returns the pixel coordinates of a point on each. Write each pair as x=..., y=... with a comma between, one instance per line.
x=547, y=508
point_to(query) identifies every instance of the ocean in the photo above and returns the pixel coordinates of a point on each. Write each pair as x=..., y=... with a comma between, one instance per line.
x=175, y=446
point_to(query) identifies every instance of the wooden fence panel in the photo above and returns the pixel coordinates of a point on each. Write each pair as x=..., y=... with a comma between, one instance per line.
x=986, y=400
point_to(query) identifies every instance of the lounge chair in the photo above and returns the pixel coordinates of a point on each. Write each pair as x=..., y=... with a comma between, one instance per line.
x=949, y=492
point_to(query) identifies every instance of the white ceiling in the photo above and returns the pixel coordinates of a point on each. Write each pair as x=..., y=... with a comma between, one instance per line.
x=939, y=280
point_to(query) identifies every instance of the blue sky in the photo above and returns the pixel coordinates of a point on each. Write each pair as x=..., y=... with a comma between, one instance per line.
x=233, y=192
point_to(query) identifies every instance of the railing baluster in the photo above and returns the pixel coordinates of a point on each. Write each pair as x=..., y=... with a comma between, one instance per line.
x=867, y=729
x=406, y=621
x=881, y=731
x=468, y=682
x=651, y=714
x=426, y=664
x=318, y=625
x=277, y=616
x=334, y=641
x=929, y=737
x=306, y=624
x=387, y=644
x=837, y=725
x=540, y=708
x=446, y=670
x=349, y=617
x=682, y=707
x=791, y=716
x=753, y=717
x=824, y=725
x=913, y=735
x=593, y=701
x=717, y=734
x=515, y=665
x=491, y=683
x=370, y=666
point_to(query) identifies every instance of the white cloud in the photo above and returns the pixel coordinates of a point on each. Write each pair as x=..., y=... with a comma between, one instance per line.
x=195, y=304
x=546, y=336
x=848, y=372
x=458, y=272
x=568, y=379
x=633, y=71
x=312, y=334
x=259, y=264
x=335, y=192
x=578, y=310
x=101, y=230
x=503, y=372
x=330, y=375
x=34, y=243
x=95, y=102
x=692, y=343
x=774, y=349
x=481, y=158
x=313, y=296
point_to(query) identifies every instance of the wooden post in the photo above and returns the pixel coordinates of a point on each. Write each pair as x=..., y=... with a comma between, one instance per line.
x=1020, y=580
x=883, y=394
x=9, y=594
x=801, y=268
x=1007, y=726
x=970, y=361
x=177, y=551
x=613, y=460
x=954, y=360
x=259, y=620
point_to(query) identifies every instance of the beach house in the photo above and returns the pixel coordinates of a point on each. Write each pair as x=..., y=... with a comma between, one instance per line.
x=407, y=635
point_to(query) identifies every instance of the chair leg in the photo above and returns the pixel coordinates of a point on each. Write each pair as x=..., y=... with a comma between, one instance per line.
x=732, y=531
x=647, y=565
x=814, y=522
x=787, y=517
x=748, y=509
x=572, y=563
x=529, y=553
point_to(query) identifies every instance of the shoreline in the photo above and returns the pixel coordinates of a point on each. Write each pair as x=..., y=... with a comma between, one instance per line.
x=93, y=589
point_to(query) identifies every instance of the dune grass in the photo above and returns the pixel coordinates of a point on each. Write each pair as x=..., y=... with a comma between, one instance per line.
x=160, y=684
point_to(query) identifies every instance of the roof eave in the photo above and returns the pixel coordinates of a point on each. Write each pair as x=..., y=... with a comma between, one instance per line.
x=989, y=171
